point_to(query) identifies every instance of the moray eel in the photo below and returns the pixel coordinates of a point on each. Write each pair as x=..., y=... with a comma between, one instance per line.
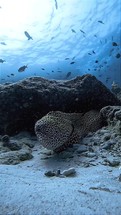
x=57, y=130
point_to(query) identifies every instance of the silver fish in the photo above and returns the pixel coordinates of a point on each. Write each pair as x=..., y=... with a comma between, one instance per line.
x=56, y=4
x=118, y=55
x=101, y=22
x=82, y=31
x=114, y=44
x=68, y=74
x=22, y=68
x=73, y=30
x=72, y=62
x=28, y=35
x=2, y=61
x=3, y=43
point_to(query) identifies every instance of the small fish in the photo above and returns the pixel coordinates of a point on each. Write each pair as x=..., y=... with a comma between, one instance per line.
x=88, y=69
x=67, y=58
x=0, y=7
x=73, y=30
x=68, y=74
x=89, y=54
x=107, y=79
x=72, y=62
x=96, y=61
x=28, y=35
x=100, y=75
x=3, y=43
x=12, y=74
x=111, y=51
x=56, y=4
x=101, y=22
x=42, y=68
x=93, y=52
x=73, y=58
x=8, y=76
x=118, y=55
x=114, y=44
x=59, y=71
x=52, y=71
x=2, y=79
x=95, y=35
x=52, y=38
x=82, y=31
x=105, y=62
x=22, y=68
x=2, y=61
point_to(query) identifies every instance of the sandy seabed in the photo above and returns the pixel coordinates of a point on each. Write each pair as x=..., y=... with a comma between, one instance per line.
x=95, y=189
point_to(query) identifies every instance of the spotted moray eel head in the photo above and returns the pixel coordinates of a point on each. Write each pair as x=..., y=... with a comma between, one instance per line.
x=53, y=131
x=57, y=129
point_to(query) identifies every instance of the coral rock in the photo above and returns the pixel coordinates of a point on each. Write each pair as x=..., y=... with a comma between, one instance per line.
x=24, y=102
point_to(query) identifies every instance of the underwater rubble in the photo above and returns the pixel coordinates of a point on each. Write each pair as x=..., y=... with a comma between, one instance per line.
x=25, y=102
x=15, y=150
x=116, y=90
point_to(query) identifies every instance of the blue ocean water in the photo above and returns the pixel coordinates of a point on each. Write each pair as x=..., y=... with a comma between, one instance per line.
x=58, y=39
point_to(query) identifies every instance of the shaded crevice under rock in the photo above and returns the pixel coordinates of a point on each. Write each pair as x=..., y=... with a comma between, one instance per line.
x=24, y=102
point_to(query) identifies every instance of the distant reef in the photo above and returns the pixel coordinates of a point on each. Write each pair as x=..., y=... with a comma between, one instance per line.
x=24, y=102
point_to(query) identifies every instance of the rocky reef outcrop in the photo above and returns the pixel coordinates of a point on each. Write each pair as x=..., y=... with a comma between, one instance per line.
x=116, y=90
x=112, y=114
x=16, y=149
x=24, y=102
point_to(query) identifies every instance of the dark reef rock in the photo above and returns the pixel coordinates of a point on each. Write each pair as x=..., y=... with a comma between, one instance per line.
x=23, y=103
